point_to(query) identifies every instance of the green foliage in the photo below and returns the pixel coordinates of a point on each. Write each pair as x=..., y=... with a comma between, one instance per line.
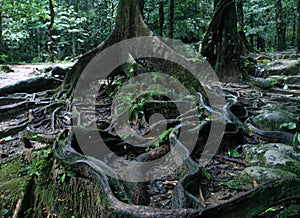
x=233, y=153
x=162, y=137
x=78, y=27
x=290, y=125
x=39, y=162
x=4, y=211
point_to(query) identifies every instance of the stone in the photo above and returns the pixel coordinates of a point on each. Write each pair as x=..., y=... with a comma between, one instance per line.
x=262, y=174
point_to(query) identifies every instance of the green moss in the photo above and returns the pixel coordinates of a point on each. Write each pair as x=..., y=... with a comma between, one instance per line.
x=12, y=184
x=293, y=166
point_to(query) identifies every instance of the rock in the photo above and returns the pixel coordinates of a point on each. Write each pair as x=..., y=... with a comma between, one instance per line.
x=6, y=69
x=282, y=67
x=273, y=116
x=274, y=155
x=59, y=72
x=262, y=83
x=262, y=174
x=254, y=152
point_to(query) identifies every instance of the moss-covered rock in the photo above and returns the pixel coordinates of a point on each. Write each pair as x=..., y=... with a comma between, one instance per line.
x=258, y=174
x=271, y=117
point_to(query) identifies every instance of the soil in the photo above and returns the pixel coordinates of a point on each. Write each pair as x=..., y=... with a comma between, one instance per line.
x=25, y=71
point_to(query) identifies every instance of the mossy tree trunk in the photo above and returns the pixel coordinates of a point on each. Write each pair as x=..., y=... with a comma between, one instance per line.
x=221, y=44
x=129, y=24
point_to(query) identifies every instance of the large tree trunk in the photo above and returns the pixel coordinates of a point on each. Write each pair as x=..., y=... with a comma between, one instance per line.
x=221, y=44
x=298, y=30
x=280, y=29
x=129, y=24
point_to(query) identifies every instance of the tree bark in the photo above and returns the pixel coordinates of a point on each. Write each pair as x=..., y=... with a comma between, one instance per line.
x=280, y=30
x=1, y=32
x=221, y=43
x=51, y=45
x=298, y=28
x=171, y=19
x=161, y=18
x=251, y=25
x=245, y=45
x=129, y=24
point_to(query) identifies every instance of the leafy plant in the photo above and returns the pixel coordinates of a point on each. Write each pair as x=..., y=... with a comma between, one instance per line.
x=296, y=139
x=4, y=211
x=233, y=153
x=290, y=125
x=161, y=138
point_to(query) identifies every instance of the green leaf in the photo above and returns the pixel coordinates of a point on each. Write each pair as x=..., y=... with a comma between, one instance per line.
x=283, y=125
x=285, y=87
x=164, y=134
x=298, y=137
x=4, y=211
x=270, y=209
x=63, y=178
x=207, y=175
x=292, y=126
x=233, y=153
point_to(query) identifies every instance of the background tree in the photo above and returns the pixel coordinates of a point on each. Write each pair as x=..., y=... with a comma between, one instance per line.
x=298, y=28
x=221, y=44
x=280, y=26
x=171, y=19
x=245, y=45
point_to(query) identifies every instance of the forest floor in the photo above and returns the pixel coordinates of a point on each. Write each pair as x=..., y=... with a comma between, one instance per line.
x=25, y=71
x=233, y=164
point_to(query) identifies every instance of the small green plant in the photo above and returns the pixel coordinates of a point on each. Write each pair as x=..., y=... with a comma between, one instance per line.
x=4, y=212
x=233, y=153
x=271, y=209
x=67, y=174
x=38, y=162
x=296, y=139
x=161, y=138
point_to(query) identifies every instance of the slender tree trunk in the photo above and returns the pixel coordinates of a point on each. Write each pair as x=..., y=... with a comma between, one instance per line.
x=252, y=25
x=221, y=43
x=51, y=45
x=293, y=40
x=280, y=30
x=161, y=18
x=171, y=19
x=298, y=27
x=261, y=44
x=1, y=31
x=245, y=45
x=142, y=5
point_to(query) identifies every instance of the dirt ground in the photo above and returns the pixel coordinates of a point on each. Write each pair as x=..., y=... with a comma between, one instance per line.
x=25, y=71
